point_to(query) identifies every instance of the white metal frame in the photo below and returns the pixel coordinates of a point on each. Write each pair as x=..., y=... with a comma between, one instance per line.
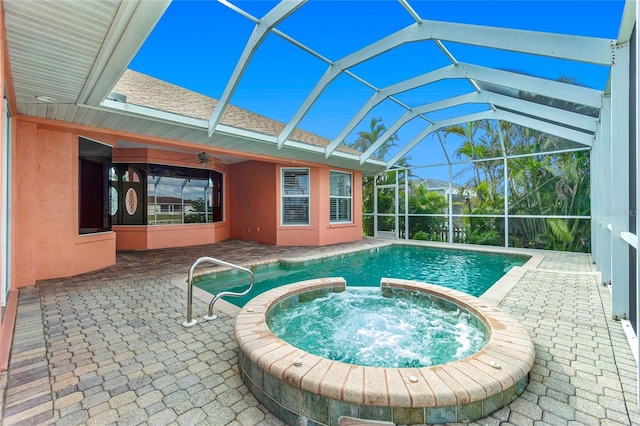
x=607, y=136
x=260, y=32
x=575, y=48
x=619, y=215
x=396, y=214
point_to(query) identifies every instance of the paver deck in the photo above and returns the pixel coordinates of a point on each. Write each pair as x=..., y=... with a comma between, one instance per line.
x=109, y=347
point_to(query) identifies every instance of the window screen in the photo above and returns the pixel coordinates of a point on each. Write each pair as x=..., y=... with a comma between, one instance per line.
x=295, y=196
x=340, y=198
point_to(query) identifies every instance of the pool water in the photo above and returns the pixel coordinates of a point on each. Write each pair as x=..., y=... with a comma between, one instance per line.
x=471, y=272
x=360, y=326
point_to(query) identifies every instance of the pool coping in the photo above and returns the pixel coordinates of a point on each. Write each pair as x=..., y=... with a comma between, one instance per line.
x=465, y=389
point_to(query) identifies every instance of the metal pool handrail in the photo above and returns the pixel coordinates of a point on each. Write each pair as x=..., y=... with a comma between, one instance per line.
x=190, y=322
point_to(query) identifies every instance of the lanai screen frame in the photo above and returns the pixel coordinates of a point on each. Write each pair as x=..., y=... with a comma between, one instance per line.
x=612, y=136
x=577, y=120
x=495, y=88
x=575, y=48
x=403, y=184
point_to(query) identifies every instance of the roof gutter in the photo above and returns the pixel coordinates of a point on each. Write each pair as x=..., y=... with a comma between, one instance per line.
x=152, y=114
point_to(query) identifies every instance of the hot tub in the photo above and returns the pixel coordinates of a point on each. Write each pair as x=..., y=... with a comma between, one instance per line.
x=301, y=388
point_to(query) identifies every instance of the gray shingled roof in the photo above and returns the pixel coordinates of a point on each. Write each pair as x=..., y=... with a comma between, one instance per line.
x=143, y=90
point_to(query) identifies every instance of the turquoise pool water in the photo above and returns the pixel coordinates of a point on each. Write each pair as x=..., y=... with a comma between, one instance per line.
x=369, y=329
x=469, y=271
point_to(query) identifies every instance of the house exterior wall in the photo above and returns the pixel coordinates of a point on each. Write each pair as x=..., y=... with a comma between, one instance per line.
x=254, y=201
x=256, y=207
x=341, y=233
x=46, y=241
x=321, y=232
x=142, y=237
x=294, y=235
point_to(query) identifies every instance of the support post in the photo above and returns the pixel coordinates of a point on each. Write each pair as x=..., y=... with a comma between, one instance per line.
x=396, y=210
x=450, y=199
x=596, y=204
x=604, y=186
x=375, y=205
x=506, y=204
x=620, y=182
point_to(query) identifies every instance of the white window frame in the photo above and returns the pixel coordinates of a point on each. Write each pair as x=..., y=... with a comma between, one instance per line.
x=341, y=197
x=283, y=196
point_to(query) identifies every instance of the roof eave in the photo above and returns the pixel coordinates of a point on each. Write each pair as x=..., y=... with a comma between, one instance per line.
x=130, y=28
x=337, y=159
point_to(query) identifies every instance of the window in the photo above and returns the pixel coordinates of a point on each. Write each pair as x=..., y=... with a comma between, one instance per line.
x=170, y=208
x=152, y=194
x=340, y=197
x=295, y=196
x=93, y=187
x=182, y=195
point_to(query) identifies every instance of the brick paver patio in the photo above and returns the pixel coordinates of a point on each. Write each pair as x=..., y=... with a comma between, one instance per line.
x=109, y=347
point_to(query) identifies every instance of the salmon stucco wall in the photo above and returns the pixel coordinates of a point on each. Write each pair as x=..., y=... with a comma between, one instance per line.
x=46, y=239
x=320, y=231
x=341, y=232
x=253, y=201
x=294, y=235
x=24, y=194
x=256, y=202
x=142, y=237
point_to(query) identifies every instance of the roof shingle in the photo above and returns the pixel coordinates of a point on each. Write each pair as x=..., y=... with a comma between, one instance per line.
x=143, y=90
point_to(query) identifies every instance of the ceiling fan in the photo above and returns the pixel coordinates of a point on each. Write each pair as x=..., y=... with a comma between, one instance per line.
x=200, y=159
x=203, y=158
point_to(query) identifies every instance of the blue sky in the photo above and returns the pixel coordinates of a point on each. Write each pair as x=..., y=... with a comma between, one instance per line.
x=196, y=45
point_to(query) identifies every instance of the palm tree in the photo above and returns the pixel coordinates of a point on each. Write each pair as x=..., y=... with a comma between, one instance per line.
x=468, y=150
x=424, y=201
x=366, y=138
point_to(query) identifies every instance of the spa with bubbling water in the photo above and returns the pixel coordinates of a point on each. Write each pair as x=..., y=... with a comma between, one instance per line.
x=318, y=386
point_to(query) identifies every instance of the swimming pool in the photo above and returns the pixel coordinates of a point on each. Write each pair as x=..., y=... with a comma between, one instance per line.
x=471, y=272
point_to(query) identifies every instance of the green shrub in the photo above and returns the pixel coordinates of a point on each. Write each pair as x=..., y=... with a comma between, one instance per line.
x=486, y=238
x=421, y=235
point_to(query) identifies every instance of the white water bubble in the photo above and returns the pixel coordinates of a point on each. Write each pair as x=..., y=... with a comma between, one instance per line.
x=359, y=326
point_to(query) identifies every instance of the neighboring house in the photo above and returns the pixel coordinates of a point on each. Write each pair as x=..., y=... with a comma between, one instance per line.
x=168, y=210
x=442, y=187
x=459, y=194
